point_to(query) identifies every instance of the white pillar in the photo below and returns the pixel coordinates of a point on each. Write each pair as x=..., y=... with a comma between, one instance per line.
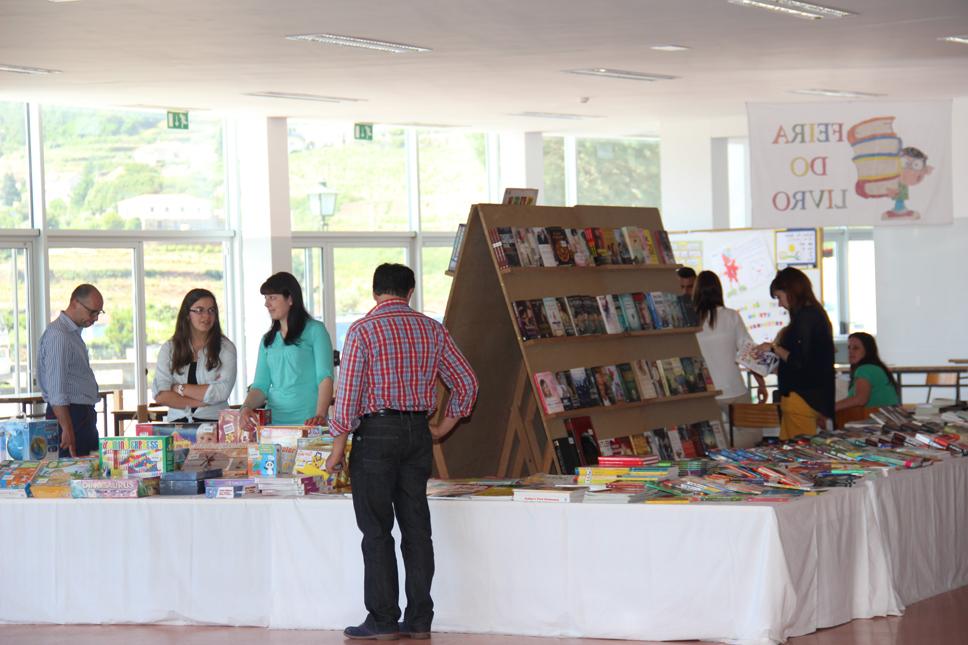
x=686, y=170
x=522, y=162
x=265, y=225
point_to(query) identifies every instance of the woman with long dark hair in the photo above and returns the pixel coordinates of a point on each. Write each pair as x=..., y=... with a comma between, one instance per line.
x=723, y=335
x=806, y=351
x=294, y=371
x=871, y=384
x=195, y=371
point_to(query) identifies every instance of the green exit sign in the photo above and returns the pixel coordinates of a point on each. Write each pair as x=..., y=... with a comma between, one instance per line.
x=178, y=120
x=363, y=131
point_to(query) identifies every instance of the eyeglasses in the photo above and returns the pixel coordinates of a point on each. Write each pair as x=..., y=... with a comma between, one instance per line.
x=93, y=312
x=198, y=311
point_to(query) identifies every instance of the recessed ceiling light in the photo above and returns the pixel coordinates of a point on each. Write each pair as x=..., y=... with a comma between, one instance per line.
x=556, y=115
x=795, y=8
x=362, y=43
x=619, y=73
x=61, y=0
x=670, y=48
x=963, y=40
x=836, y=93
x=303, y=97
x=36, y=71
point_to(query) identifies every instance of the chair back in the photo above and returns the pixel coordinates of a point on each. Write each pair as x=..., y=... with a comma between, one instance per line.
x=941, y=378
x=754, y=415
x=855, y=413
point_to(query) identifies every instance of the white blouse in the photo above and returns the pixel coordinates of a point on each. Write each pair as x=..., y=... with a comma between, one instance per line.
x=220, y=381
x=719, y=347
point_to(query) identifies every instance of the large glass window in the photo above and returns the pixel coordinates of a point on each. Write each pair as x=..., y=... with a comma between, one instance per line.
x=861, y=287
x=14, y=192
x=122, y=169
x=307, y=266
x=353, y=278
x=453, y=175
x=14, y=327
x=171, y=271
x=554, y=171
x=436, y=284
x=337, y=183
x=110, y=341
x=618, y=172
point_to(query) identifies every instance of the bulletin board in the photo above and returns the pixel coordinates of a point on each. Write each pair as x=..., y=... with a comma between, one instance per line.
x=746, y=261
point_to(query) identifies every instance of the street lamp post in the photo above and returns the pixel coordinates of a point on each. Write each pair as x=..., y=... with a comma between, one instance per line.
x=322, y=203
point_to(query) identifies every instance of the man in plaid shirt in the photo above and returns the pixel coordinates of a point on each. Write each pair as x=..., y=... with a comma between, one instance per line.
x=390, y=363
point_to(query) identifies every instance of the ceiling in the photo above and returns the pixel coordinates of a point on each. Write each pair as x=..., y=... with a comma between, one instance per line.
x=490, y=59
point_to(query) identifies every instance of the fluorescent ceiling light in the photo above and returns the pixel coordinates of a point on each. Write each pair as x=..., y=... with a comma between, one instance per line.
x=619, y=73
x=955, y=39
x=303, y=97
x=35, y=71
x=794, y=8
x=670, y=48
x=556, y=115
x=836, y=93
x=362, y=43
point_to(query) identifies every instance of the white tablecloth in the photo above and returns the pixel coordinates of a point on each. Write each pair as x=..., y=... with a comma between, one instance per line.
x=738, y=573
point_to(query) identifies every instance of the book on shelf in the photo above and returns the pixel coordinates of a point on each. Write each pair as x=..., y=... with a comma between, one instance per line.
x=567, y=453
x=629, y=385
x=565, y=315
x=611, y=246
x=520, y=196
x=527, y=323
x=645, y=313
x=586, y=441
x=544, y=326
x=508, y=246
x=663, y=445
x=566, y=391
x=643, y=380
x=458, y=245
x=527, y=255
x=545, y=251
x=694, y=379
x=621, y=245
x=553, y=316
x=606, y=307
x=664, y=246
x=560, y=246
x=675, y=441
x=614, y=447
x=632, y=320
x=585, y=388
x=547, y=388
x=640, y=446
x=579, y=247
x=633, y=240
x=495, y=240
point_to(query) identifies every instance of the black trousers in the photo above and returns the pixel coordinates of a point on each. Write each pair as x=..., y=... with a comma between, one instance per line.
x=84, y=419
x=390, y=464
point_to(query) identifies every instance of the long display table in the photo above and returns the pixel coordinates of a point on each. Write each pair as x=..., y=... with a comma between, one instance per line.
x=744, y=573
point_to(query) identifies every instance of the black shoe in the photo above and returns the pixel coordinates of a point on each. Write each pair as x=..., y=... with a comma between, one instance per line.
x=406, y=632
x=365, y=632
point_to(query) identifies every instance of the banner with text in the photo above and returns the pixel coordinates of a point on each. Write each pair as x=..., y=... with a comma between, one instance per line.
x=850, y=163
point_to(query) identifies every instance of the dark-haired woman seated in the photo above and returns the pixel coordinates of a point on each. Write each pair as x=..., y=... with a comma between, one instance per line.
x=294, y=371
x=871, y=384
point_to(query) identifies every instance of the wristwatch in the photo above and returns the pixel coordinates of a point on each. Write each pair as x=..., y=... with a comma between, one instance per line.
x=180, y=389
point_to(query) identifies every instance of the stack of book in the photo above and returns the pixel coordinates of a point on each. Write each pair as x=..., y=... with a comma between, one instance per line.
x=557, y=494
x=289, y=485
x=555, y=246
x=230, y=487
x=581, y=315
x=186, y=482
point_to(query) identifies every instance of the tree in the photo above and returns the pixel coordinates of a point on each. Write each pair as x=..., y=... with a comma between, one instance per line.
x=135, y=179
x=9, y=193
x=83, y=187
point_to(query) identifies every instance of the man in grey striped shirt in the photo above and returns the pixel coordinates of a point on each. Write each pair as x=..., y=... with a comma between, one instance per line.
x=65, y=375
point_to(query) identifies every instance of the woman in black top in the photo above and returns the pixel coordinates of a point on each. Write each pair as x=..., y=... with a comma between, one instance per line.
x=806, y=351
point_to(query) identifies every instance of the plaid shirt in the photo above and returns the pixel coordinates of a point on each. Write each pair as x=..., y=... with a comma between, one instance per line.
x=391, y=359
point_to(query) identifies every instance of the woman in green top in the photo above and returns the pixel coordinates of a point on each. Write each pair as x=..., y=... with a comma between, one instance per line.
x=294, y=372
x=871, y=383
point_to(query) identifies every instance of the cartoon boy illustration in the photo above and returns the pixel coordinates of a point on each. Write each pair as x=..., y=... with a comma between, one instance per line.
x=914, y=168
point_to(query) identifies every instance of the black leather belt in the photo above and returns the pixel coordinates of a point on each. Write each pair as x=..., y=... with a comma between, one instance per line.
x=390, y=412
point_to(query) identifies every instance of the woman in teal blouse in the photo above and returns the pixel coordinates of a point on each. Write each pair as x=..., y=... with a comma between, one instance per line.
x=871, y=383
x=294, y=372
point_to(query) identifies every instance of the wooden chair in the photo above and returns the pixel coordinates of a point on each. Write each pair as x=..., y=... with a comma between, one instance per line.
x=944, y=379
x=752, y=415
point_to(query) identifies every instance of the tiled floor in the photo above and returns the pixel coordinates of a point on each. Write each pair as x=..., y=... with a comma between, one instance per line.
x=942, y=620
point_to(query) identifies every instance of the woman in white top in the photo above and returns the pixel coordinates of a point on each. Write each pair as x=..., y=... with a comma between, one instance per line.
x=723, y=334
x=195, y=373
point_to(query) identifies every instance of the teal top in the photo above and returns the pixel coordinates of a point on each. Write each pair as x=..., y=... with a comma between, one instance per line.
x=289, y=375
x=882, y=392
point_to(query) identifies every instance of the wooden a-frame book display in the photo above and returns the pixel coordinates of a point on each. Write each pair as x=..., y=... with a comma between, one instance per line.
x=509, y=435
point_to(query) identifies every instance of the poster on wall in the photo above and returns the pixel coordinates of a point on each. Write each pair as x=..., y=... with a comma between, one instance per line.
x=746, y=261
x=854, y=163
